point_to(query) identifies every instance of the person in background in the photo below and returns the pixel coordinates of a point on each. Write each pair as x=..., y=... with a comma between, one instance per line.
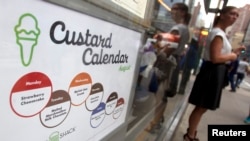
x=207, y=88
x=189, y=64
x=149, y=52
x=232, y=72
x=241, y=71
x=247, y=119
x=165, y=63
x=183, y=58
x=180, y=14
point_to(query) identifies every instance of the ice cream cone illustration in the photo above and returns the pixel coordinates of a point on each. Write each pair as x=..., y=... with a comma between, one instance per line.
x=27, y=33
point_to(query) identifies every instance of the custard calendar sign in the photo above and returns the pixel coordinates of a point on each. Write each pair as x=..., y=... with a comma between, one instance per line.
x=64, y=77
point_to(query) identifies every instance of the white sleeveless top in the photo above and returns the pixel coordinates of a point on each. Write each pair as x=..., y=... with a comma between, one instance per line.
x=242, y=66
x=226, y=49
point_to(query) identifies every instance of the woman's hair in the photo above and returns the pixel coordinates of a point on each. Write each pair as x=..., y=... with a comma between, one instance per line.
x=223, y=11
x=183, y=7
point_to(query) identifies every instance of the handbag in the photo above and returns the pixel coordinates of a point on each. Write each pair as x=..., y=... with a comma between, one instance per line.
x=153, y=84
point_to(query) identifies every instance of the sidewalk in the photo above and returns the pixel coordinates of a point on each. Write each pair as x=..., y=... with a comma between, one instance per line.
x=234, y=108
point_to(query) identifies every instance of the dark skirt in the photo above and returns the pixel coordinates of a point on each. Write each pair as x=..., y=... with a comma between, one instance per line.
x=208, y=85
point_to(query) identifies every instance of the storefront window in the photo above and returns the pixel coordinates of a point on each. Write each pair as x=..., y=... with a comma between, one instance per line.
x=149, y=108
x=87, y=70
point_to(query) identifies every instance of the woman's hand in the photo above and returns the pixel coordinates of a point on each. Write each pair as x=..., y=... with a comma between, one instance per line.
x=233, y=56
x=239, y=49
x=167, y=50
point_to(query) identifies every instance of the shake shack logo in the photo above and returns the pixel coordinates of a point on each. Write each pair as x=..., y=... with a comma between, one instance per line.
x=56, y=136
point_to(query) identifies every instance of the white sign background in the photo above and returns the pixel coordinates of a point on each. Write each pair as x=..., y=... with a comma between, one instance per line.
x=61, y=63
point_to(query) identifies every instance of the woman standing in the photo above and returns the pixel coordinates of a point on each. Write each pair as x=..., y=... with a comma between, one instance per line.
x=207, y=88
x=179, y=32
x=180, y=14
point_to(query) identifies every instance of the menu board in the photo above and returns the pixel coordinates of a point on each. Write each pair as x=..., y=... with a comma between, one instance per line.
x=65, y=76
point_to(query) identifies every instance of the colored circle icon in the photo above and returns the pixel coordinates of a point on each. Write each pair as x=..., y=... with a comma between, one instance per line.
x=30, y=94
x=95, y=97
x=111, y=103
x=97, y=115
x=57, y=109
x=119, y=108
x=80, y=88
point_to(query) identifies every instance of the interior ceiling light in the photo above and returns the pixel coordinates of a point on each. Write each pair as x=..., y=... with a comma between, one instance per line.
x=164, y=5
